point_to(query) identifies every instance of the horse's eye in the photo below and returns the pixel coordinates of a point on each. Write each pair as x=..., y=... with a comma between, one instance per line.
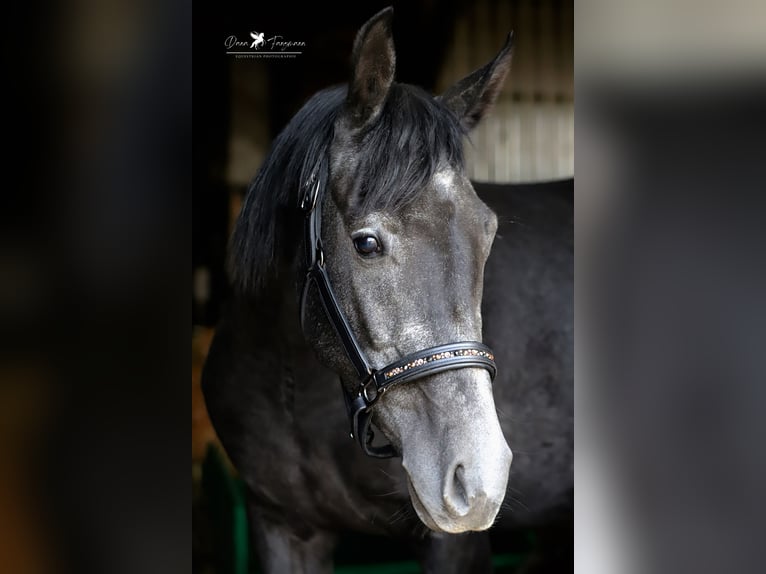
x=367, y=245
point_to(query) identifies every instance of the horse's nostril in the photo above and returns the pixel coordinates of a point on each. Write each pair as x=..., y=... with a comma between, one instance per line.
x=456, y=494
x=460, y=482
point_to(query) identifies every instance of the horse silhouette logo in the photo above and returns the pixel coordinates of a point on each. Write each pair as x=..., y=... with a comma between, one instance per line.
x=257, y=40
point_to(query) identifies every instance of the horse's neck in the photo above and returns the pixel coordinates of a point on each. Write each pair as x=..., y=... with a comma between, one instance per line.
x=270, y=317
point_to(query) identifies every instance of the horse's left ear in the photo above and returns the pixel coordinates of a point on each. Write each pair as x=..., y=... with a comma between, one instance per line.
x=373, y=63
x=472, y=97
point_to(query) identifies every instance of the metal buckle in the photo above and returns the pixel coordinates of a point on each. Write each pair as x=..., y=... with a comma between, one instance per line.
x=309, y=200
x=364, y=393
x=319, y=254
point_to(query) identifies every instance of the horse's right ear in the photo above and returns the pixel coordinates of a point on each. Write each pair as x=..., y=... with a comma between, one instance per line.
x=373, y=62
x=472, y=97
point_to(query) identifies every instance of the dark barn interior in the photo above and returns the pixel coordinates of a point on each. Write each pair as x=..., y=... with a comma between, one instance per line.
x=242, y=104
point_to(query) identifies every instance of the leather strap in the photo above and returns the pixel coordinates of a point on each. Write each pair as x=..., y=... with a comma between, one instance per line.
x=316, y=274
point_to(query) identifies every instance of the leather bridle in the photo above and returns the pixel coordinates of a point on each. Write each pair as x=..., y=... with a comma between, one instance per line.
x=372, y=382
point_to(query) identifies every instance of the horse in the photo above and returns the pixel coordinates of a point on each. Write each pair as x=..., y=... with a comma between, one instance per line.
x=362, y=249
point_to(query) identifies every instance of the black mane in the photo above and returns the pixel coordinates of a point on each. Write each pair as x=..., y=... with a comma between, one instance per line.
x=396, y=158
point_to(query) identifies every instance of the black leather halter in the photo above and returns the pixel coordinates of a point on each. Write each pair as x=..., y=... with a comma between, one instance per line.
x=372, y=382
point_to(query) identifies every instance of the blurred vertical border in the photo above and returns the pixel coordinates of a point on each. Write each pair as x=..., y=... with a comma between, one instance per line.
x=93, y=272
x=670, y=320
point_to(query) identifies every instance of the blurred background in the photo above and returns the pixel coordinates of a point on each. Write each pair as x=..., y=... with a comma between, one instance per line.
x=246, y=102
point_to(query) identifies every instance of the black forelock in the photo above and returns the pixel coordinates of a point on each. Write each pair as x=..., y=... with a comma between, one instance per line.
x=400, y=153
x=393, y=162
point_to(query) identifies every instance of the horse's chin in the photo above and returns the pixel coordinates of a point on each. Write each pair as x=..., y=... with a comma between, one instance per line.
x=420, y=509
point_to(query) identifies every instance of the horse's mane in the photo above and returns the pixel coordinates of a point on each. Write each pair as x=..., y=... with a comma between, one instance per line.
x=396, y=157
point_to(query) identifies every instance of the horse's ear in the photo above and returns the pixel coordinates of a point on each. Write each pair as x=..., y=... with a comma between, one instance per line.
x=472, y=97
x=373, y=63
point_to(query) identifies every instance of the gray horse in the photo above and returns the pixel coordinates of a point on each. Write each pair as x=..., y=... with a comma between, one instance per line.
x=406, y=243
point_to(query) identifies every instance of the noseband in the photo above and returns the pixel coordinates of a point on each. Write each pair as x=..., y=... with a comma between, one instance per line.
x=372, y=383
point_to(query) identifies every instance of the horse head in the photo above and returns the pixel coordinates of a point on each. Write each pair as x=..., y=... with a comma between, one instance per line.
x=405, y=239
